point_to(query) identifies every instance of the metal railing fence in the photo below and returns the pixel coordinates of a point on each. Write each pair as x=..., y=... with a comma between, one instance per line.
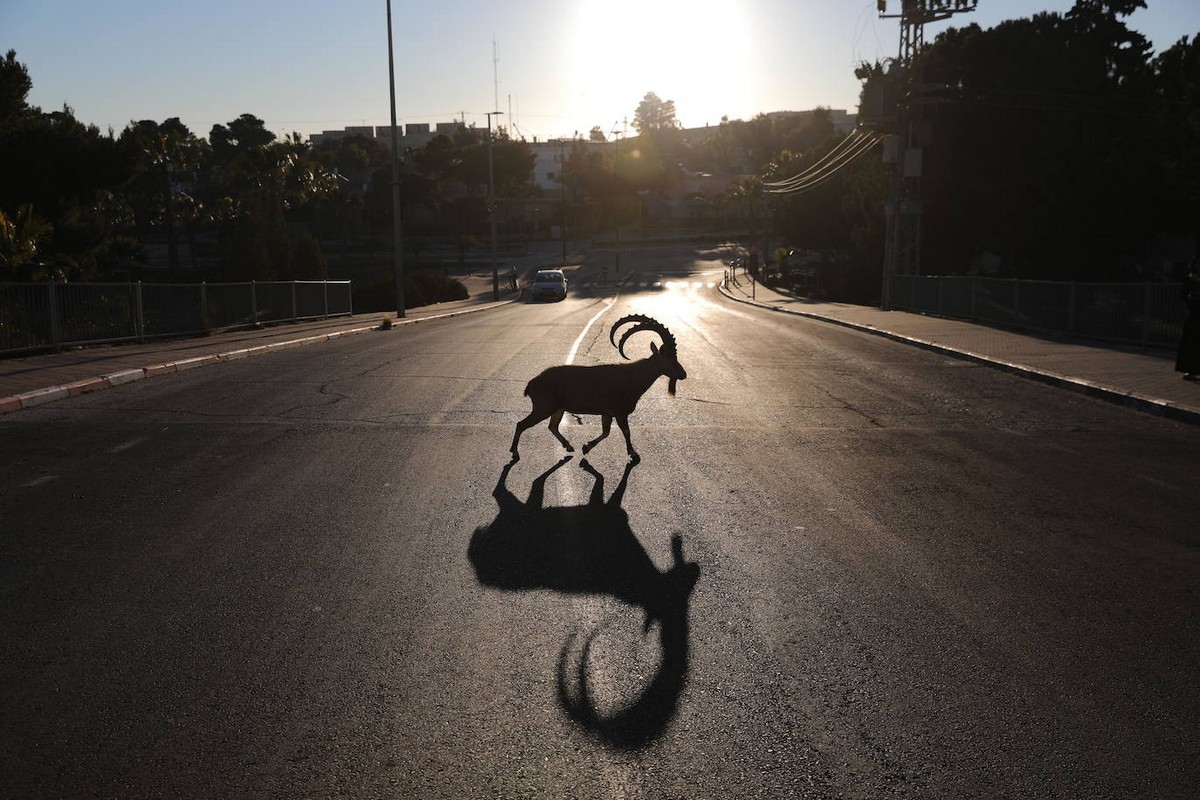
x=47, y=316
x=1148, y=314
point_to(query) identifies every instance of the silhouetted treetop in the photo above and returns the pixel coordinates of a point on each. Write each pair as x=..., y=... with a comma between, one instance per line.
x=654, y=114
x=244, y=133
x=15, y=85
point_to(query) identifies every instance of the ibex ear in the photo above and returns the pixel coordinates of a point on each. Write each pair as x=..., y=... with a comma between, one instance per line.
x=654, y=348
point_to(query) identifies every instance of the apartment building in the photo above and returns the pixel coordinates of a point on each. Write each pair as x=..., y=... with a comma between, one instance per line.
x=413, y=134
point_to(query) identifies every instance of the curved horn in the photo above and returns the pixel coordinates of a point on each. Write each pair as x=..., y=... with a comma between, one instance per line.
x=644, y=323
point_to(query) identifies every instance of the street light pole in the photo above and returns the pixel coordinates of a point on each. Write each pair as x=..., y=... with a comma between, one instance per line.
x=492, y=205
x=397, y=221
x=562, y=182
x=617, y=257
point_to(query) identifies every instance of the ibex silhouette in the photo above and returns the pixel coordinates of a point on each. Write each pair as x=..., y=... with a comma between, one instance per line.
x=590, y=549
x=610, y=390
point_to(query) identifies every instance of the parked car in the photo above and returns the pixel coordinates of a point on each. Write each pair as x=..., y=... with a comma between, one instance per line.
x=550, y=283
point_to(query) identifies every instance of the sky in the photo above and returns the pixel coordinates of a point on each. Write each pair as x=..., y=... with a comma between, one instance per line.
x=552, y=68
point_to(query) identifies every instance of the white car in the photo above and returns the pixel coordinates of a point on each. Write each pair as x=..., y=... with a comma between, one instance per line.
x=550, y=283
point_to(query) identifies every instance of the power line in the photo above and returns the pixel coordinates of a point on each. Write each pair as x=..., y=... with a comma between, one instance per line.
x=847, y=143
x=817, y=175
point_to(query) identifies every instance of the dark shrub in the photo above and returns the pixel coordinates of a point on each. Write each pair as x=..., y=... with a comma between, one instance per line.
x=424, y=288
x=378, y=292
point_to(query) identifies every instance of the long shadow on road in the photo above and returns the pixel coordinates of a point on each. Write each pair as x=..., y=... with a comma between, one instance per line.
x=591, y=549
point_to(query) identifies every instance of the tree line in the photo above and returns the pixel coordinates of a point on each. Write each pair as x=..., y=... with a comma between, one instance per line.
x=1056, y=147
x=81, y=204
x=1059, y=146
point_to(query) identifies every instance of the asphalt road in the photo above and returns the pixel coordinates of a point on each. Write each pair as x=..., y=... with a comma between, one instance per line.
x=844, y=567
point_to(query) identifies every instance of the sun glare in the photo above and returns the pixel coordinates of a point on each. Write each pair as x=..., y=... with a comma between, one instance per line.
x=698, y=54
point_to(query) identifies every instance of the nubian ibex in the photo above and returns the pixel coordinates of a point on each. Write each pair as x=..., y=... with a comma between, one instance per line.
x=610, y=390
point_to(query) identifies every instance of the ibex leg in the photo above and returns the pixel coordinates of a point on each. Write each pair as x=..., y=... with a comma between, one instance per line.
x=623, y=423
x=605, y=425
x=556, y=418
x=535, y=416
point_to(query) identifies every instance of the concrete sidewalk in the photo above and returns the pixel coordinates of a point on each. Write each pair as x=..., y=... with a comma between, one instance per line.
x=1142, y=378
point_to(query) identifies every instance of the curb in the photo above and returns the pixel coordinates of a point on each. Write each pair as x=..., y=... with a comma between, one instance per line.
x=1150, y=405
x=37, y=397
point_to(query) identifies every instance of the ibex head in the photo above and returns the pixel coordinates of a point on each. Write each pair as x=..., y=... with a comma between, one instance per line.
x=667, y=356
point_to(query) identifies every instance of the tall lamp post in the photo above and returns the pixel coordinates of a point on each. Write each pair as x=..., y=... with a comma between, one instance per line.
x=617, y=257
x=492, y=205
x=562, y=182
x=397, y=221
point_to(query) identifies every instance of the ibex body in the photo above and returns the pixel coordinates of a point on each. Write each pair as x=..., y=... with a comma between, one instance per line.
x=610, y=390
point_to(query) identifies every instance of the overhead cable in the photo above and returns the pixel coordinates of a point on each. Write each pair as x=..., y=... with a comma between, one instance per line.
x=849, y=143
x=819, y=178
x=812, y=178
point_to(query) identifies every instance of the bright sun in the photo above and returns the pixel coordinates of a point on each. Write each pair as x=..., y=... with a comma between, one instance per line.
x=698, y=54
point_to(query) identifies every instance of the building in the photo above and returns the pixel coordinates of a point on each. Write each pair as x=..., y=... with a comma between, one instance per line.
x=414, y=134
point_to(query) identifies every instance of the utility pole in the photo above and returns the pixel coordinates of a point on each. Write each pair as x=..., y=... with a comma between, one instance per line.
x=617, y=258
x=397, y=220
x=492, y=205
x=904, y=149
x=491, y=171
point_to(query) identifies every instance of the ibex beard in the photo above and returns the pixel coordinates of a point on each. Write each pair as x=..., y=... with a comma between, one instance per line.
x=611, y=391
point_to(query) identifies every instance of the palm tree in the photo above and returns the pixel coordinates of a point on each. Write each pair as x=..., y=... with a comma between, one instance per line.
x=21, y=238
x=265, y=183
x=164, y=153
